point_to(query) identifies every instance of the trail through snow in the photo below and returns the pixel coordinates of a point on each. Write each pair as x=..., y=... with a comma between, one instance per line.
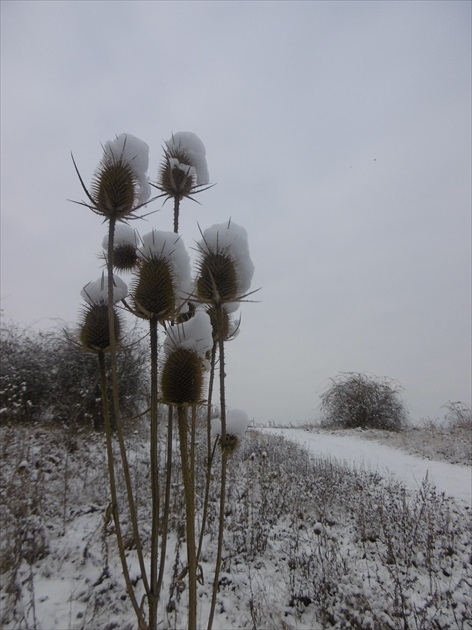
x=452, y=479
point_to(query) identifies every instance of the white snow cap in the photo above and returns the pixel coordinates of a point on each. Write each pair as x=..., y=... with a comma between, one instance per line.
x=195, y=334
x=169, y=245
x=230, y=238
x=124, y=235
x=136, y=153
x=96, y=292
x=194, y=148
x=237, y=423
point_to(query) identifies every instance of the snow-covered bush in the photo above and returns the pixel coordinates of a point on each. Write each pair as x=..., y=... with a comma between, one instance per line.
x=356, y=400
x=45, y=377
x=24, y=374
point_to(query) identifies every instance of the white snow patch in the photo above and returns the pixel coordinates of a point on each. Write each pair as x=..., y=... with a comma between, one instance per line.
x=124, y=235
x=196, y=334
x=97, y=292
x=194, y=148
x=237, y=422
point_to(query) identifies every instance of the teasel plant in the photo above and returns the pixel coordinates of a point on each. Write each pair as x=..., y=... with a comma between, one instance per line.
x=183, y=173
x=97, y=336
x=159, y=290
x=223, y=279
x=186, y=349
x=119, y=189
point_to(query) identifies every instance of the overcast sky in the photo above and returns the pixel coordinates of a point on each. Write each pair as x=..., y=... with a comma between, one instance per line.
x=337, y=133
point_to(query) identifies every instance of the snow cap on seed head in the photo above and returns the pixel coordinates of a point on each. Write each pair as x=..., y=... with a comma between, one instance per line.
x=134, y=152
x=94, y=327
x=97, y=292
x=190, y=144
x=237, y=423
x=236, y=426
x=185, y=349
x=225, y=268
x=162, y=282
x=183, y=170
x=195, y=335
x=119, y=185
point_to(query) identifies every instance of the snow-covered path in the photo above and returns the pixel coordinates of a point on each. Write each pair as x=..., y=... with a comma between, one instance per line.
x=452, y=479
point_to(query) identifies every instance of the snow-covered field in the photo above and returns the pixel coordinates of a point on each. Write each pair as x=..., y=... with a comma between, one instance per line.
x=324, y=530
x=351, y=447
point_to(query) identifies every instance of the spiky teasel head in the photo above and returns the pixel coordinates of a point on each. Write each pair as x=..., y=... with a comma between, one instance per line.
x=176, y=176
x=125, y=245
x=231, y=444
x=94, y=328
x=183, y=171
x=182, y=377
x=153, y=289
x=217, y=277
x=124, y=257
x=115, y=188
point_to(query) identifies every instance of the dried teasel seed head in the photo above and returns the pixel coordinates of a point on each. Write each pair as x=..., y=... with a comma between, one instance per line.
x=115, y=188
x=124, y=257
x=182, y=378
x=177, y=175
x=231, y=444
x=217, y=278
x=95, y=331
x=153, y=290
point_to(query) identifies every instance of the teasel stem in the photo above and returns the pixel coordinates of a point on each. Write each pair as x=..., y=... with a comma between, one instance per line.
x=224, y=460
x=166, y=512
x=117, y=417
x=154, y=457
x=193, y=436
x=170, y=422
x=221, y=526
x=114, y=499
x=189, y=490
x=210, y=450
x=176, y=214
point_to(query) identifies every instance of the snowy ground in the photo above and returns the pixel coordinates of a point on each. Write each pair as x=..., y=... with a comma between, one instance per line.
x=353, y=449
x=352, y=536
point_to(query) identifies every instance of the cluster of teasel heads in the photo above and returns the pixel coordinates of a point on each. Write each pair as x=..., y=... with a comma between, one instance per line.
x=161, y=287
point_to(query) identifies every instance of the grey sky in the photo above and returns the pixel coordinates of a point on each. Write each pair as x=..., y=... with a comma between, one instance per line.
x=339, y=136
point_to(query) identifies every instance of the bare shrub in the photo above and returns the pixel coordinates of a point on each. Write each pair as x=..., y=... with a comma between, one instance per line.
x=356, y=400
x=45, y=376
x=458, y=415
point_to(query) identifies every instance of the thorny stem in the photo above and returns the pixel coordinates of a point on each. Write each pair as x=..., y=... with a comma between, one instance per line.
x=176, y=214
x=193, y=435
x=210, y=450
x=117, y=417
x=189, y=489
x=165, y=516
x=154, y=457
x=166, y=512
x=114, y=498
x=221, y=526
x=224, y=460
